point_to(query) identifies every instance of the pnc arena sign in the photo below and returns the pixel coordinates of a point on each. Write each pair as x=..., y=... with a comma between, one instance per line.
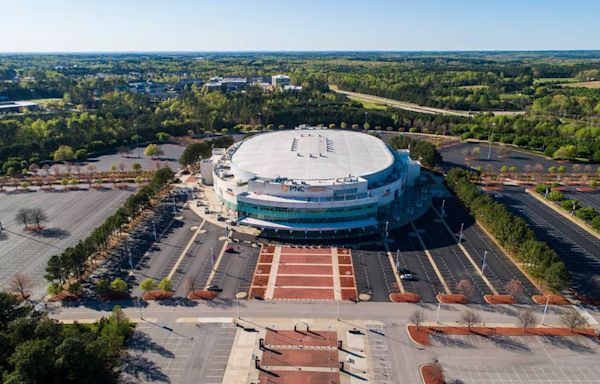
x=301, y=188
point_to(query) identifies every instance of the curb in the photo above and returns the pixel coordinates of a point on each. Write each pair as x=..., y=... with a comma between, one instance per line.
x=575, y=220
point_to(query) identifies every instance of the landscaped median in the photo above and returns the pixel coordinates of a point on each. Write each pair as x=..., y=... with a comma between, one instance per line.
x=587, y=218
x=404, y=297
x=509, y=231
x=432, y=374
x=499, y=299
x=422, y=334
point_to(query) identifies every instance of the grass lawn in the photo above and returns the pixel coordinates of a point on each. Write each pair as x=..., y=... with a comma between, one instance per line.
x=544, y=80
x=583, y=84
x=368, y=104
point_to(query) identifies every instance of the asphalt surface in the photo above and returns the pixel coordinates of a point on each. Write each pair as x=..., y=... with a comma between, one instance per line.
x=579, y=250
x=499, y=269
x=454, y=156
x=72, y=217
x=170, y=157
x=183, y=353
x=373, y=272
x=412, y=257
x=588, y=199
x=451, y=261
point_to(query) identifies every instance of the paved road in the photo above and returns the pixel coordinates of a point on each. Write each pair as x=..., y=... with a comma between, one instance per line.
x=72, y=217
x=579, y=250
x=168, y=312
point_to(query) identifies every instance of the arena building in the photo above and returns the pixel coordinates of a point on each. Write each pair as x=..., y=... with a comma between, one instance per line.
x=310, y=181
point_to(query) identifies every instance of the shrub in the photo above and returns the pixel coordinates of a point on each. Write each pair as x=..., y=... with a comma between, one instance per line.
x=102, y=287
x=541, y=188
x=568, y=204
x=118, y=285
x=555, y=196
x=165, y=285
x=75, y=288
x=148, y=285
x=596, y=223
x=54, y=289
x=586, y=213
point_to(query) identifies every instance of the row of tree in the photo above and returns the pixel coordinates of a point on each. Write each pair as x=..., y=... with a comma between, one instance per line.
x=73, y=262
x=510, y=231
x=203, y=149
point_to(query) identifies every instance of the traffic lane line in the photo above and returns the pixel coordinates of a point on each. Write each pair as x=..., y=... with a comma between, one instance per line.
x=185, y=250
x=431, y=261
x=467, y=254
x=217, y=263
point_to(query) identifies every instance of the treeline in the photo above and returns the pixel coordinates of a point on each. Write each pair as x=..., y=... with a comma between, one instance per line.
x=36, y=349
x=420, y=150
x=510, y=231
x=195, y=151
x=72, y=263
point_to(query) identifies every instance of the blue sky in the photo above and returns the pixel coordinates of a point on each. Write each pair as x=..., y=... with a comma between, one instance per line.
x=250, y=25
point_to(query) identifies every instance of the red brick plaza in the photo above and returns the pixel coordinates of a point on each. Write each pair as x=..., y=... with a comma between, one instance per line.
x=302, y=273
x=300, y=357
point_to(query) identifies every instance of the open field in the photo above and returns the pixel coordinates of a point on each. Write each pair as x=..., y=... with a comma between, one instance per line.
x=544, y=80
x=72, y=216
x=583, y=84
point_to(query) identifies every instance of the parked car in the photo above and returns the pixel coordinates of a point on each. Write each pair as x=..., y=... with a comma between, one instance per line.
x=408, y=276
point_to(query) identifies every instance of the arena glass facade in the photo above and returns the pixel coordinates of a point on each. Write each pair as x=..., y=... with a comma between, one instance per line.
x=302, y=201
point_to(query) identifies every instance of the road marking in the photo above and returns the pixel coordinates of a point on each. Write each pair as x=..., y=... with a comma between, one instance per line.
x=394, y=269
x=213, y=272
x=184, y=252
x=431, y=261
x=204, y=320
x=467, y=254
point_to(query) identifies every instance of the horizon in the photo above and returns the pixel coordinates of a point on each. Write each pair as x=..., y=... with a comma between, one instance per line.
x=68, y=26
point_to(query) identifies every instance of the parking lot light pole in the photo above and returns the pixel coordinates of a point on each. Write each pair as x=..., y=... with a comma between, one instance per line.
x=460, y=236
x=437, y=316
x=154, y=230
x=443, y=205
x=140, y=307
x=545, y=310
x=397, y=260
x=212, y=257
x=337, y=316
x=483, y=264
x=387, y=224
x=238, y=308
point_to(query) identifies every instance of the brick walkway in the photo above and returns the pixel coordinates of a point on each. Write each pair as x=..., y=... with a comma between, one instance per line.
x=297, y=273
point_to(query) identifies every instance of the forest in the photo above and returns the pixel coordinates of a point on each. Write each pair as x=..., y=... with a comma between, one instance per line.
x=90, y=108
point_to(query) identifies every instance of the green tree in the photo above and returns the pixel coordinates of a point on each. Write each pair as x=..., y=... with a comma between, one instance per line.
x=165, y=285
x=162, y=136
x=565, y=152
x=153, y=151
x=118, y=285
x=64, y=153
x=148, y=285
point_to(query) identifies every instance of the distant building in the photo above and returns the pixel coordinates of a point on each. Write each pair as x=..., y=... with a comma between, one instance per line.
x=17, y=106
x=280, y=81
x=226, y=84
x=292, y=88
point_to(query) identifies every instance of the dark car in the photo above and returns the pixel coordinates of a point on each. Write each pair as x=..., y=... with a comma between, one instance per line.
x=403, y=271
